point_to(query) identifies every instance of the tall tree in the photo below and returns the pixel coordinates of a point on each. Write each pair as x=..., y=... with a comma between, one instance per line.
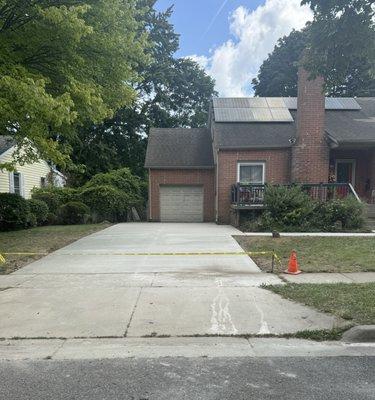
x=278, y=74
x=341, y=34
x=64, y=63
x=174, y=92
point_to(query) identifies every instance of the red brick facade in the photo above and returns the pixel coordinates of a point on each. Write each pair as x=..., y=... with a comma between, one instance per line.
x=310, y=155
x=277, y=164
x=204, y=177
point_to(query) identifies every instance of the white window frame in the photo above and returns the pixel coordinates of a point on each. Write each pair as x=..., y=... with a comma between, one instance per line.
x=247, y=164
x=21, y=183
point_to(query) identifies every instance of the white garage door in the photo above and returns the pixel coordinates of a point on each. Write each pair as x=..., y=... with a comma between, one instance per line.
x=181, y=203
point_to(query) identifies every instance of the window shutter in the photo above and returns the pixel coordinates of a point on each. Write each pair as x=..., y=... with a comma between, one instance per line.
x=22, y=186
x=11, y=182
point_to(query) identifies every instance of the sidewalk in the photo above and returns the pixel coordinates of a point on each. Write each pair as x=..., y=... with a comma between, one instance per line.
x=312, y=234
x=352, y=277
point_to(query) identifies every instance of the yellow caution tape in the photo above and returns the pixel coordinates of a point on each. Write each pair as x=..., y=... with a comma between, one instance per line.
x=240, y=253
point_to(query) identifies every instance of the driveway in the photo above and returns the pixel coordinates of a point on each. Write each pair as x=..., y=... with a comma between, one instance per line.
x=94, y=288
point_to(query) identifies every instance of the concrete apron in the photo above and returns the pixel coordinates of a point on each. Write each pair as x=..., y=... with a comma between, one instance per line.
x=73, y=293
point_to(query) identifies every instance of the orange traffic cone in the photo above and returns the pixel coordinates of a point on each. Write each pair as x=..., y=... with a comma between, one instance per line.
x=293, y=268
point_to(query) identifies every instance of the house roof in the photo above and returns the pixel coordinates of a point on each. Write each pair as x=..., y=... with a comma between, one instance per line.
x=353, y=126
x=348, y=121
x=179, y=147
x=6, y=142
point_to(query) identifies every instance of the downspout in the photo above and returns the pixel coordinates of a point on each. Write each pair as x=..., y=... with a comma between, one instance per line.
x=217, y=188
x=149, y=195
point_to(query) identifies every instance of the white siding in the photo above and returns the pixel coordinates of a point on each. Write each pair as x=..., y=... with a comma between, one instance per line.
x=31, y=174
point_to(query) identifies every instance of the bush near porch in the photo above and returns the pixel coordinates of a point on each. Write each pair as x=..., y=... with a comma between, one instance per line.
x=290, y=209
x=315, y=254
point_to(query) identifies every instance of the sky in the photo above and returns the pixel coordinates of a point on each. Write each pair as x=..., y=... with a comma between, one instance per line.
x=231, y=38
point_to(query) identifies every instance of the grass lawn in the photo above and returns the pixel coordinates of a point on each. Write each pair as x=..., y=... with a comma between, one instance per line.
x=43, y=239
x=315, y=254
x=353, y=302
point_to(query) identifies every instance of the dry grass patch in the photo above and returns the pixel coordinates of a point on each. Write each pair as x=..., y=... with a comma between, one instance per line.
x=45, y=239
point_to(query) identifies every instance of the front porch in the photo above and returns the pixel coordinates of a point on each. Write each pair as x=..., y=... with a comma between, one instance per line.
x=351, y=171
x=251, y=196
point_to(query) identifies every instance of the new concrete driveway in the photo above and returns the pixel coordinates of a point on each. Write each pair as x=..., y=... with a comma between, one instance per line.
x=94, y=288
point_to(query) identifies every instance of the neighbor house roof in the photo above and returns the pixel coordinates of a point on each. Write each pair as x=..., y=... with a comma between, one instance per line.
x=179, y=147
x=6, y=142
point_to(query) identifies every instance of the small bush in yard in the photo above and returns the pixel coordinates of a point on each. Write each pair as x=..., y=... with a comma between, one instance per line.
x=106, y=203
x=287, y=209
x=73, y=213
x=348, y=213
x=40, y=209
x=55, y=197
x=14, y=212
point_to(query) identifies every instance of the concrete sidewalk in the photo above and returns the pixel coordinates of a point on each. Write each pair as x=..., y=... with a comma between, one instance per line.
x=213, y=347
x=352, y=277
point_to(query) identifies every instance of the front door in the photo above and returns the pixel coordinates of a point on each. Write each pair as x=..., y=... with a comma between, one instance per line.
x=345, y=171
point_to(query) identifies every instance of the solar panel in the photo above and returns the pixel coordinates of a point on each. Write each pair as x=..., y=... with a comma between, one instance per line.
x=262, y=114
x=333, y=104
x=349, y=103
x=234, y=115
x=290, y=102
x=275, y=102
x=281, y=115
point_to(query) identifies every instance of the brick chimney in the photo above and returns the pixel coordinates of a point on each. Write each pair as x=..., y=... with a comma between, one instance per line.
x=310, y=154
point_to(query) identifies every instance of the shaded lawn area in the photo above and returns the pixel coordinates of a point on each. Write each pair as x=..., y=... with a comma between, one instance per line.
x=44, y=239
x=350, y=301
x=315, y=254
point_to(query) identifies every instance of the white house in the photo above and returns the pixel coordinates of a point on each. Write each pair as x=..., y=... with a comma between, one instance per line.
x=25, y=177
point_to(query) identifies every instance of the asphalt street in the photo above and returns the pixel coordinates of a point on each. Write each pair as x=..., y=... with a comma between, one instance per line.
x=341, y=378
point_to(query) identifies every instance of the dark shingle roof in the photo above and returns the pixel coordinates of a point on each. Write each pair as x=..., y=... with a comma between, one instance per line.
x=6, y=142
x=344, y=126
x=253, y=135
x=179, y=147
x=353, y=126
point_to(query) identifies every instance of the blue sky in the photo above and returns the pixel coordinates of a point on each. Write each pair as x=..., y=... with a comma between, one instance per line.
x=193, y=17
x=231, y=38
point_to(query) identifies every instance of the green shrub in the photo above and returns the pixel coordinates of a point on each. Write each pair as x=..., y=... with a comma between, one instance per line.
x=40, y=209
x=14, y=212
x=291, y=209
x=341, y=214
x=73, y=213
x=55, y=197
x=288, y=209
x=31, y=220
x=106, y=203
x=122, y=180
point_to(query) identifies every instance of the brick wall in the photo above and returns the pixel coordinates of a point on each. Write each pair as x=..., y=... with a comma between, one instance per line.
x=277, y=171
x=203, y=177
x=310, y=155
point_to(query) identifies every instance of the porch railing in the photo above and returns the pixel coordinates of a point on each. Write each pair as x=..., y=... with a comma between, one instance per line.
x=252, y=195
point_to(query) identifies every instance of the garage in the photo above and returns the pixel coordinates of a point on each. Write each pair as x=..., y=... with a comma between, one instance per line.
x=181, y=203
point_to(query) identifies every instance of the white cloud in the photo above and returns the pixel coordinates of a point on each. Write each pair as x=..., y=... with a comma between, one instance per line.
x=236, y=62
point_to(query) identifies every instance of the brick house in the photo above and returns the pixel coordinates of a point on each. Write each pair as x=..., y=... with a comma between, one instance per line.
x=213, y=173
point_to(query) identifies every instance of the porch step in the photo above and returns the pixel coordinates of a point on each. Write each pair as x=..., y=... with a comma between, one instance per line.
x=370, y=210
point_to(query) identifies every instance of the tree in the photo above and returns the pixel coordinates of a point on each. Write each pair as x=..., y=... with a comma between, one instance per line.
x=342, y=32
x=278, y=74
x=64, y=63
x=173, y=93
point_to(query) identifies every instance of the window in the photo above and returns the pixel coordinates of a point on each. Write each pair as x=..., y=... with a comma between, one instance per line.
x=251, y=173
x=17, y=183
x=43, y=182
